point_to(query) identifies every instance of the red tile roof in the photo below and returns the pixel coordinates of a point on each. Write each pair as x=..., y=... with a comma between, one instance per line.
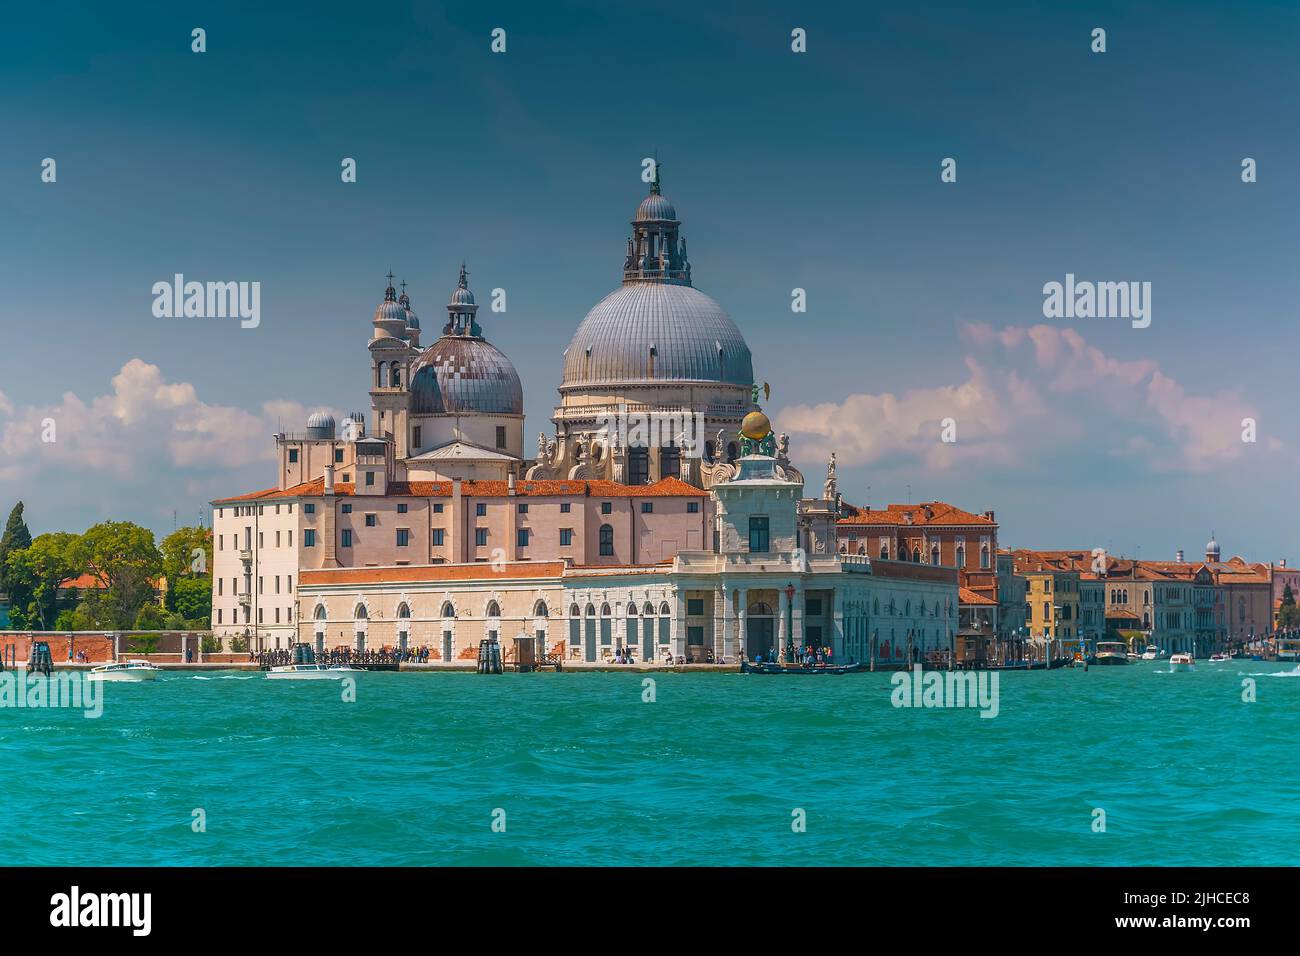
x=967, y=596
x=663, y=488
x=478, y=571
x=940, y=513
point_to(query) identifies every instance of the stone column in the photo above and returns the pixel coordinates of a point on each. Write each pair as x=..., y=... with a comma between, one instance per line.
x=837, y=625
x=738, y=646
x=678, y=637
x=721, y=618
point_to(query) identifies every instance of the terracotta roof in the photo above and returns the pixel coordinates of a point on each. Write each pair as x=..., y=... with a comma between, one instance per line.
x=479, y=571
x=940, y=513
x=663, y=488
x=967, y=596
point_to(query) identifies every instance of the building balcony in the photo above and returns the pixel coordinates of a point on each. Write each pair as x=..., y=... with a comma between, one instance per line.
x=244, y=598
x=246, y=555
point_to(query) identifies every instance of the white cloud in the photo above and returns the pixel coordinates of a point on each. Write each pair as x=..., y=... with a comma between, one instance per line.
x=1030, y=393
x=145, y=439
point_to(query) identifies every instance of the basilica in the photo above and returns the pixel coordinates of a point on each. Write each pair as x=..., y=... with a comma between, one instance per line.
x=661, y=515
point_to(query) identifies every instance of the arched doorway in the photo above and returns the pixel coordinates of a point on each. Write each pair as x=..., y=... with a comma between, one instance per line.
x=760, y=631
x=361, y=617
x=448, y=634
x=320, y=628
x=403, y=626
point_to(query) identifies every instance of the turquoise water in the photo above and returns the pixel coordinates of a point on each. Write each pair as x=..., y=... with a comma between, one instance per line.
x=709, y=773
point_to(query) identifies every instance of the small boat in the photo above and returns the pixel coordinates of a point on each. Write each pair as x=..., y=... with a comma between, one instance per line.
x=1181, y=663
x=772, y=667
x=133, y=671
x=311, y=672
x=1111, y=652
x=1151, y=653
x=1219, y=658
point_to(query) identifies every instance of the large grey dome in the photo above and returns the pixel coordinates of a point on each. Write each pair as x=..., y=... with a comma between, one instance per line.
x=657, y=332
x=463, y=374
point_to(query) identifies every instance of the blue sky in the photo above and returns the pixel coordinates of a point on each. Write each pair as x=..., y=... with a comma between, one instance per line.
x=818, y=170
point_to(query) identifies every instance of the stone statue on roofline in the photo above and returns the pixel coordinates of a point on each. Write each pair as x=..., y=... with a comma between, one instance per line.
x=830, y=479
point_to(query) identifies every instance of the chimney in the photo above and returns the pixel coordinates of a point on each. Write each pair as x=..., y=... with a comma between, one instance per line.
x=989, y=515
x=1179, y=556
x=1281, y=562
x=329, y=479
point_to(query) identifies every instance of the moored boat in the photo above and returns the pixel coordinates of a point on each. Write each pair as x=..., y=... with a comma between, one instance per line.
x=1111, y=652
x=772, y=667
x=128, y=671
x=1150, y=653
x=310, y=672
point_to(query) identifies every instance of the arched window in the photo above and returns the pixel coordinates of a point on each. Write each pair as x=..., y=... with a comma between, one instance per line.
x=649, y=609
x=916, y=554
x=606, y=540
x=934, y=554
x=360, y=613
x=907, y=609
x=760, y=609
x=884, y=552
x=448, y=610
x=574, y=611
x=631, y=609
x=664, y=609
x=984, y=556
x=403, y=610
x=539, y=609
x=395, y=375
x=320, y=612
x=961, y=555
x=605, y=611
x=591, y=610
x=493, y=609
x=875, y=606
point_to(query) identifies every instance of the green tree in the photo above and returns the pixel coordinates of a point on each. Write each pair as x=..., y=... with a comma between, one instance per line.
x=123, y=558
x=16, y=537
x=34, y=575
x=193, y=599
x=186, y=554
x=1288, y=614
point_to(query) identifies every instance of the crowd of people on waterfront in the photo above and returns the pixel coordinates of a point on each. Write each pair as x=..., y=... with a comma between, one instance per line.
x=346, y=655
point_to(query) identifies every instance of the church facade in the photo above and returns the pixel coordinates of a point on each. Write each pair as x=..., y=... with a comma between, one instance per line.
x=663, y=515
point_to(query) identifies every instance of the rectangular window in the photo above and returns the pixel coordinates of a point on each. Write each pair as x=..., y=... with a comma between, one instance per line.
x=565, y=507
x=403, y=537
x=607, y=507
x=277, y=584
x=521, y=537
x=759, y=540
x=501, y=436
x=647, y=507
x=293, y=456
x=309, y=509
x=692, y=507
x=309, y=538
x=695, y=636
x=277, y=615
x=695, y=607
x=522, y=508
x=370, y=478
x=370, y=521
x=218, y=615
x=338, y=456
x=566, y=537
x=480, y=536
x=347, y=509
x=220, y=583
x=813, y=607
x=289, y=579
x=401, y=509
x=438, y=536
x=437, y=509
x=347, y=538
x=480, y=509
x=415, y=437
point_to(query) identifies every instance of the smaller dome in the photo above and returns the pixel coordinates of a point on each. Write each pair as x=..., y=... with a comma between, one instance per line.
x=390, y=312
x=320, y=425
x=461, y=296
x=1212, y=547
x=655, y=208
x=755, y=426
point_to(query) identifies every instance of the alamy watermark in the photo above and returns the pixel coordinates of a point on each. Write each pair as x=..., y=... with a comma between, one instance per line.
x=1101, y=300
x=684, y=429
x=63, y=689
x=937, y=689
x=209, y=300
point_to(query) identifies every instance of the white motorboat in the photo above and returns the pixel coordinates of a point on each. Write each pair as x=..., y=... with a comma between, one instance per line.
x=310, y=672
x=1151, y=653
x=1111, y=652
x=127, y=671
x=1219, y=658
x=1181, y=663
